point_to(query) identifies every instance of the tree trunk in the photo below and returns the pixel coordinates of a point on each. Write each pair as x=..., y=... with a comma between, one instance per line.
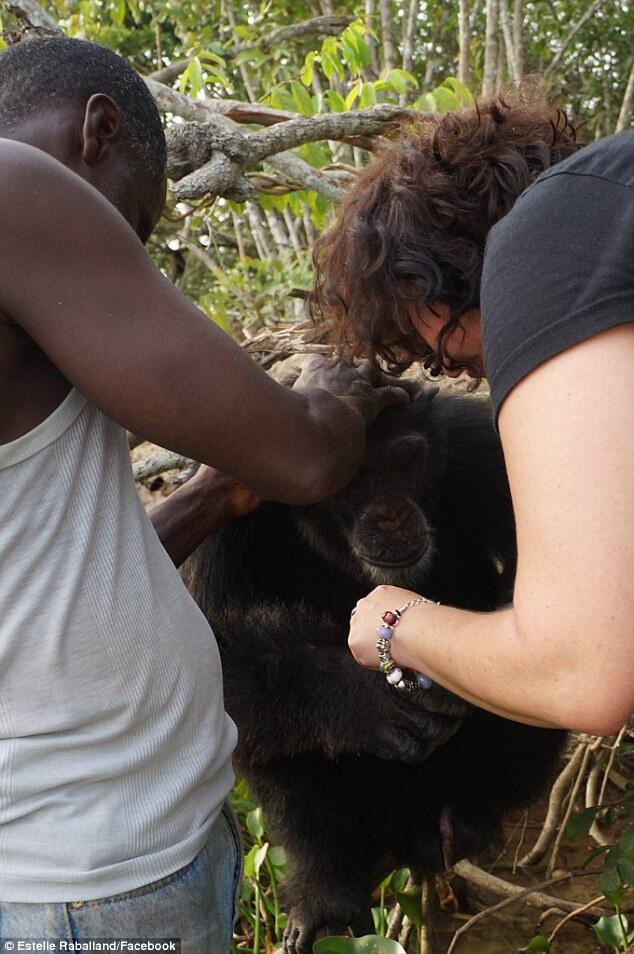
x=278, y=231
x=370, y=19
x=292, y=231
x=387, y=31
x=518, y=38
x=238, y=234
x=410, y=35
x=257, y=230
x=509, y=47
x=625, y=114
x=464, y=73
x=490, y=49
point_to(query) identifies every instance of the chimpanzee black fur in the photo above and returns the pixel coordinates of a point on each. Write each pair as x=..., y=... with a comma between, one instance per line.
x=356, y=780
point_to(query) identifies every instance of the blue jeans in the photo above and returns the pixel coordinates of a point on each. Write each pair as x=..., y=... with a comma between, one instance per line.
x=197, y=904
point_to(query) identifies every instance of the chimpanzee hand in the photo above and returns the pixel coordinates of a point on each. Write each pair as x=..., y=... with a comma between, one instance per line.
x=395, y=729
x=364, y=387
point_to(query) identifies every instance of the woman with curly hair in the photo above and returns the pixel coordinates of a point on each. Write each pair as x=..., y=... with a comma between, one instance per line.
x=542, y=304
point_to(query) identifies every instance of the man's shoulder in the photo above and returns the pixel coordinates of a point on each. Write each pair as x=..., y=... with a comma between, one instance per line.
x=611, y=159
x=31, y=172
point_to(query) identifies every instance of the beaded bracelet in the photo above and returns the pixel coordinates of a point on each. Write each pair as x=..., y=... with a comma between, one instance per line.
x=394, y=675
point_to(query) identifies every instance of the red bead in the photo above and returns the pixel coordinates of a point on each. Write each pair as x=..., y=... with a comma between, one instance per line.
x=390, y=618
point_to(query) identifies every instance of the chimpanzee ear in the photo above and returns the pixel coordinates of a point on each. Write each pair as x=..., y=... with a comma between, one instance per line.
x=426, y=394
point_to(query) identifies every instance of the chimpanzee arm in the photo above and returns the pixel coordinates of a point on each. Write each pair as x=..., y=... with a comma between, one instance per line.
x=291, y=687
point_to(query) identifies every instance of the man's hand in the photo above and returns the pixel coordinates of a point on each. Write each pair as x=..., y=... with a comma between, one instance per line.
x=224, y=493
x=363, y=388
x=203, y=504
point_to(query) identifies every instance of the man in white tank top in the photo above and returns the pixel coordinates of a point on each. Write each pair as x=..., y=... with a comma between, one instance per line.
x=115, y=750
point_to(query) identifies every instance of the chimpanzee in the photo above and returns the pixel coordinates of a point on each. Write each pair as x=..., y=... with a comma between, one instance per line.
x=355, y=779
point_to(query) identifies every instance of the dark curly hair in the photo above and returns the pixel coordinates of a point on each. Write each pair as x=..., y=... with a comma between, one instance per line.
x=412, y=230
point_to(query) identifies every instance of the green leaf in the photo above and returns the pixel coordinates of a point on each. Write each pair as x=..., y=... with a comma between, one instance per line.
x=427, y=103
x=538, y=943
x=314, y=154
x=359, y=945
x=626, y=843
x=282, y=99
x=254, y=57
x=610, y=933
x=335, y=100
x=410, y=902
x=399, y=879
x=332, y=65
x=277, y=857
x=400, y=80
x=581, y=823
x=350, y=54
x=302, y=100
x=306, y=72
x=118, y=12
x=445, y=100
x=255, y=823
x=352, y=96
x=625, y=868
x=463, y=92
x=195, y=76
x=249, y=862
x=259, y=857
x=611, y=885
x=368, y=96
x=208, y=56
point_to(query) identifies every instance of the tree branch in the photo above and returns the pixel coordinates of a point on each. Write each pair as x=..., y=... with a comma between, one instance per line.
x=590, y=12
x=329, y=25
x=34, y=19
x=625, y=113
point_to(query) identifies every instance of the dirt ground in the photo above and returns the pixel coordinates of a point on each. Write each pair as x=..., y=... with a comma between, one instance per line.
x=513, y=927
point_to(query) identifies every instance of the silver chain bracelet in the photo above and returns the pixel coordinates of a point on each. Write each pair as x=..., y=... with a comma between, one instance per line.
x=393, y=673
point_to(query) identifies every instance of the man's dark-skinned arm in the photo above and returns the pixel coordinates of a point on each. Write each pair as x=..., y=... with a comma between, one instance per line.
x=204, y=503
x=76, y=278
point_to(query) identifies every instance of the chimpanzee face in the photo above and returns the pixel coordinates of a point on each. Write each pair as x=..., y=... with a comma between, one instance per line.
x=377, y=527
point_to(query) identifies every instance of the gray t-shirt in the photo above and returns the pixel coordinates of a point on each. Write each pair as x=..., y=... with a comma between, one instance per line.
x=115, y=750
x=559, y=268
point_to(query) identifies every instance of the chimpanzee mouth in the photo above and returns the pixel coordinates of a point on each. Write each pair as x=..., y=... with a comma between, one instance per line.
x=410, y=560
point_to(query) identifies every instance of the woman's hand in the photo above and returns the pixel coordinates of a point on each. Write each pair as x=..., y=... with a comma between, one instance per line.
x=363, y=387
x=367, y=617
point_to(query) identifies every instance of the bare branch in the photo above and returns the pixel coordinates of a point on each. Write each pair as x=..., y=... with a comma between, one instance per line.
x=387, y=31
x=518, y=37
x=35, y=21
x=625, y=113
x=490, y=48
x=372, y=121
x=533, y=896
x=463, y=41
x=410, y=34
x=169, y=73
x=331, y=24
x=158, y=463
x=558, y=793
x=302, y=175
x=505, y=21
x=590, y=12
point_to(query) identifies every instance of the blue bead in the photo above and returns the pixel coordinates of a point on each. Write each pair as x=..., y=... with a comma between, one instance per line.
x=423, y=681
x=385, y=632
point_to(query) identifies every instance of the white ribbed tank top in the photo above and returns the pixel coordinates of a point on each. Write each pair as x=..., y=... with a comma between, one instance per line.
x=115, y=750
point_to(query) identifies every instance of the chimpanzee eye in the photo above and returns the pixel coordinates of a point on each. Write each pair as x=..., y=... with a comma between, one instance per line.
x=407, y=452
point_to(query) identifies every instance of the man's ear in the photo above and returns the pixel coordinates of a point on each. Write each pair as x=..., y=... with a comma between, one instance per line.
x=101, y=125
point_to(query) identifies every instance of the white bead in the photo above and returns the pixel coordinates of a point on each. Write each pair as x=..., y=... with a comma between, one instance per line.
x=394, y=677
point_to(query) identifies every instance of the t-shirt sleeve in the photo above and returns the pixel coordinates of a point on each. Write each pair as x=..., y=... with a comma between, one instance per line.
x=559, y=268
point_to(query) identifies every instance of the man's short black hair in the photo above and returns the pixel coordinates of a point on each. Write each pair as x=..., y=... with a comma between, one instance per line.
x=41, y=73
